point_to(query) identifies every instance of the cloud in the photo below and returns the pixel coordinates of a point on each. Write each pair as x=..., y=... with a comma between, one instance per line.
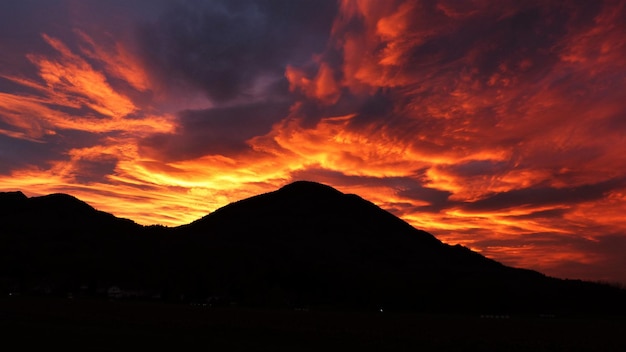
x=542, y=196
x=70, y=93
x=597, y=259
x=215, y=131
x=497, y=127
x=499, y=115
x=233, y=50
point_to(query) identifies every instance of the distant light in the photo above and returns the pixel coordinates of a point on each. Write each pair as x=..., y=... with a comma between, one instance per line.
x=381, y=310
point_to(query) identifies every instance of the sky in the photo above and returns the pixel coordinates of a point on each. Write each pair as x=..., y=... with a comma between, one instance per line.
x=498, y=125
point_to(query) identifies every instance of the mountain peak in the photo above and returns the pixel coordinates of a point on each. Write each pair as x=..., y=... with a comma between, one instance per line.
x=11, y=200
x=16, y=196
x=308, y=188
x=306, y=212
x=63, y=202
x=55, y=201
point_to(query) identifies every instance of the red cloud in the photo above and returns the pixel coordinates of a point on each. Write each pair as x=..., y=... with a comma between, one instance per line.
x=498, y=127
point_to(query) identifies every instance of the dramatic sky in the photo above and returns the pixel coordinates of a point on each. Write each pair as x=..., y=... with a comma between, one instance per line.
x=499, y=125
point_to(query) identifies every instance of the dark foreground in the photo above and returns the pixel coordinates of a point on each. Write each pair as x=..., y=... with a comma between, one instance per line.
x=101, y=325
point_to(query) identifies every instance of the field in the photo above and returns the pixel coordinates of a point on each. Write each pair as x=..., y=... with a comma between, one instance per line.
x=102, y=325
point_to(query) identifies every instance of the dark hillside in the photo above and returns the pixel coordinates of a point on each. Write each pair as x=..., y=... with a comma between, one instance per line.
x=304, y=246
x=55, y=244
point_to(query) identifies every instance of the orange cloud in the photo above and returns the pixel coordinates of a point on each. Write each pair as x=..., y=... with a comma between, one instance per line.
x=71, y=82
x=528, y=121
x=497, y=127
x=118, y=62
x=323, y=87
x=36, y=118
x=79, y=83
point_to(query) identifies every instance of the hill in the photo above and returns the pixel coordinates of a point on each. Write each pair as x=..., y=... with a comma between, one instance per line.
x=304, y=246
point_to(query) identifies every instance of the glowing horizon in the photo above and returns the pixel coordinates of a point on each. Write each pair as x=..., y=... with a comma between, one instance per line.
x=497, y=127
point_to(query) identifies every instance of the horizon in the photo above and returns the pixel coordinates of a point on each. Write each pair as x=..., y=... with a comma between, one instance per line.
x=621, y=285
x=499, y=128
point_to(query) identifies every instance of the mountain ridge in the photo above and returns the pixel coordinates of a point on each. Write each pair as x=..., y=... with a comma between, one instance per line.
x=303, y=245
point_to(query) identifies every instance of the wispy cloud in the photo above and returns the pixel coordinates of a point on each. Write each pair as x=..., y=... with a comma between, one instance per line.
x=498, y=127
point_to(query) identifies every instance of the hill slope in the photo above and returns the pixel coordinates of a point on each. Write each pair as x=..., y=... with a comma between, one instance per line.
x=304, y=245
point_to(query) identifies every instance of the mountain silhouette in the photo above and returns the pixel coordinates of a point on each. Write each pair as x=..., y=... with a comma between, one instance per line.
x=56, y=213
x=305, y=245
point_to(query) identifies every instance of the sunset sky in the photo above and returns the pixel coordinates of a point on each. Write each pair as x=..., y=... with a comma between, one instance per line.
x=499, y=125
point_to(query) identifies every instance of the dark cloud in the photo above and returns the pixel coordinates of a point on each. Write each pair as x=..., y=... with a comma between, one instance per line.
x=437, y=199
x=610, y=249
x=548, y=239
x=16, y=153
x=478, y=56
x=226, y=47
x=92, y=171
x=500, y=127
x=604, y=258
x=548, y=214
x=489, y=36
x=544, y=195
x=475, y=168
x=375, y=108
x=214, y=131
x=21, y=25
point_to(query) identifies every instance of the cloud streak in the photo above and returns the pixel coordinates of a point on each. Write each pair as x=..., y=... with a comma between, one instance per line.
x=497, y=127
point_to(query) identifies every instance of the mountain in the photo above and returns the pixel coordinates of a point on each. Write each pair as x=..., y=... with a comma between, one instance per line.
x=305, y=245
x=55, y=212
